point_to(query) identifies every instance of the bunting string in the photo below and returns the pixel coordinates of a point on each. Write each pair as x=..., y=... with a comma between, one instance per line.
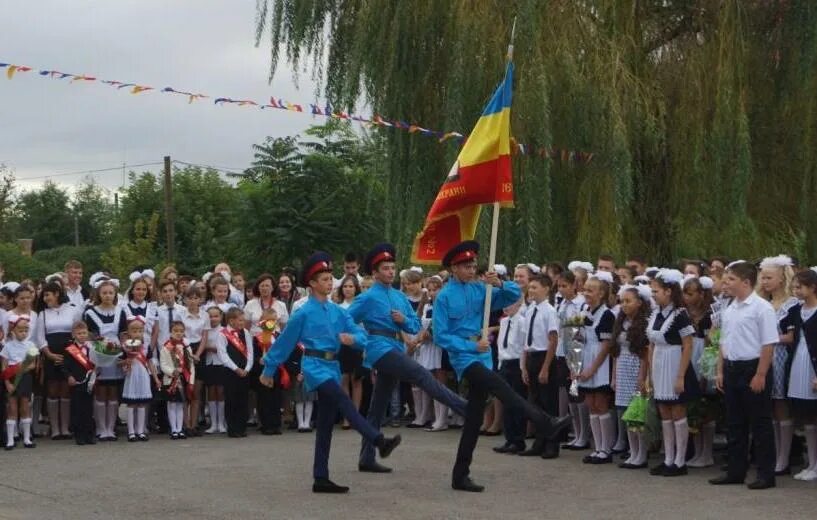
x=376, y=120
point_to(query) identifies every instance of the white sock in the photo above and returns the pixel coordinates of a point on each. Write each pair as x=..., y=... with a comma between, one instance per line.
x=440, y=415
x=25, y=426
x=786, y=430
x=776, y=430
x=113, y=413
x=299, y=412
x=428, y=404
x=681, y=439
x=53, y=406
x=179, y=417
x=608, y=432
x=576, y=421
x=643, y=449
x=212, y=406
x=222, y=419
x=65, y=416
x=11, y=424
x=131, y=421
x=417, y=397
x=595, y=427
x=308, y=414
x=668, y=433
x=140, y=420
x=99, y=417
x=584, y=421
x=621, y=433
x=633, y=438
x=697, y=443
x=811, y=445
x=171, y=416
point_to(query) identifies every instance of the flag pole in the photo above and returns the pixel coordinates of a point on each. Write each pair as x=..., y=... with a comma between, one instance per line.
x=486, y=312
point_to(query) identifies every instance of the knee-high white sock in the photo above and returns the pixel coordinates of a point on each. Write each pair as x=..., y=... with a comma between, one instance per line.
x=53, y=406
x=584, y=420
x=698, y=444
x=131, y=421
x=811, y=445
x=140, y=420
x=428, y=403
x=440, y=415
x=632, y=437
x=573, y=409
x=308, y=414
x=786, y=430
x=608, y=431
x=595, y=427
x=643, y=449
x=417, y=397
x=65, y=416
x=681, y=440
x=299, y=412
x=776, y=430
x=621, y=433
x=112, y=414
x=99, y=416
x=171, y=416
x=180, y=417
x=11, y=425
x=25, y=426
x=668, y=433
x=212, y=406
x=222, y=419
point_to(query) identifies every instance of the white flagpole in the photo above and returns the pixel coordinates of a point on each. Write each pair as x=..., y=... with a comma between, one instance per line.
x=486, y=312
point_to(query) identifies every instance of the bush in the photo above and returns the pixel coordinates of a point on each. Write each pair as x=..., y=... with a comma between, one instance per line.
x=88, y=255
x=19, y=266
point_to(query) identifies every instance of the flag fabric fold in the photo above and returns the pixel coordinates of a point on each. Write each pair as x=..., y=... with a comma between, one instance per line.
x=480, y=175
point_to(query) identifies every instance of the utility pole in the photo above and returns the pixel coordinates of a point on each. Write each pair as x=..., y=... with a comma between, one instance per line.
x=169, y=223
x=76, y=229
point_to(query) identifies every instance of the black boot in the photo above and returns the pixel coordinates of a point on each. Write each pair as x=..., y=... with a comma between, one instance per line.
x=386, y=445
x=466, y=484
x=324, y=485
x=551, y=450
x=556, y=426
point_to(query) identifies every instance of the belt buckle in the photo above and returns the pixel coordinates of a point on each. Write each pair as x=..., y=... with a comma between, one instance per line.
x=327, y=356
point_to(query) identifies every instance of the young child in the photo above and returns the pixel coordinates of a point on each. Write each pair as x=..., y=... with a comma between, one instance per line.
x=19, y=352
x=235, y=348
x=219, y=294
x=304, y=399
x=79, y=370
x=179, y=372
x=106, y=321
x=629, y=353
x=214, y=372
x=140, y=303
x=168, y=312
x=431, y=356
x=351, y=360
x=411, y=281
x=269, y=399
x=594, y=379
x=195, y=322
x=571, y=305
x=136, y=392
x=802, y=383
x=670, y=333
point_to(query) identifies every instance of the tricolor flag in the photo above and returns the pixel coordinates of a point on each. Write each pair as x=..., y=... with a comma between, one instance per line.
x=480, y=175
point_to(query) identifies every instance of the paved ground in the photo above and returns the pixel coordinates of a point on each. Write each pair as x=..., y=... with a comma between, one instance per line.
x=269, y=477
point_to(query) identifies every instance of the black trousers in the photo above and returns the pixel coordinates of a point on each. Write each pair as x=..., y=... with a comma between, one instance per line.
x=269, y=405
x=482, y=382
x=546, y=396
x=513, y=420
x=236, y=397
x=747, y=412
x=82, y=413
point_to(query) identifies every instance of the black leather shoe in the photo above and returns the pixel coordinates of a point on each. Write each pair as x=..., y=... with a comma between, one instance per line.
x=557, y=426
x=324, y=485
x=466, y=484
x=503, y=448
x=724, y=480
x=628, y=465
x=784, y=471
x=761, y=484
x=575, y=447
x=531, y=452
x=551, y=450
x=387, y=445
x=675, y=471
x=659, y=470
x=599, y=459
x=374, y=467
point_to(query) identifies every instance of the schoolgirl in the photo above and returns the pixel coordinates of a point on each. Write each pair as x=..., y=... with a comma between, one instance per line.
x=136, y=391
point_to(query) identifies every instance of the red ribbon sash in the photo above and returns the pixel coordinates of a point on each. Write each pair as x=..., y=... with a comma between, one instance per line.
x=79, y=356
x=232, y=337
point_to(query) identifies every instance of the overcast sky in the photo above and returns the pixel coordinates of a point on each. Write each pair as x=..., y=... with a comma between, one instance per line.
x=52, y=126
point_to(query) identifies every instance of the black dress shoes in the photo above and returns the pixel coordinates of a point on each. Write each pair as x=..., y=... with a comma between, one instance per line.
x=374, y=467
x=761, y=484
x=387, y=445
x=324, y=485
x=466, y=484
x=725, y=480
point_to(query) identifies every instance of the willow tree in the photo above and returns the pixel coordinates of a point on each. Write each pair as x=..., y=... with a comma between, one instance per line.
x=701, y=114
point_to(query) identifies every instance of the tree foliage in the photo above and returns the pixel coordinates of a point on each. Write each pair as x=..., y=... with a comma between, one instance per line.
x=701, y=114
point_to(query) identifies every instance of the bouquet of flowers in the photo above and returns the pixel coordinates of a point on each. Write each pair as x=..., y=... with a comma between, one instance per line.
x=19, y=370
x=577, y=320
x=105, y=353
x=708, y=364
x=635, y=416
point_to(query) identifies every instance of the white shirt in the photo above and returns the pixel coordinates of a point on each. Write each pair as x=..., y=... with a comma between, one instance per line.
x=75, y=296
x=253, y=311
x=15, y=351
x=510, y=327
x=545, y=320
x=163, y=322
x=194, y=325
x=225, y=357
x=59, y=319
x=746, y=326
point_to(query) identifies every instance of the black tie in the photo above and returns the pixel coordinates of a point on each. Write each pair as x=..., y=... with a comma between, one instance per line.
x=507, y=331
x=530, y=328
x=170, y=317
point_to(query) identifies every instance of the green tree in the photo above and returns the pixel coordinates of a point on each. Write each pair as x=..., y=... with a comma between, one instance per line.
x=141, y=249
x=94, y=212
x=45, y=216
x=6, y=204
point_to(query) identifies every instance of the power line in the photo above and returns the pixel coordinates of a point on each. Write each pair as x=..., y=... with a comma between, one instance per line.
x=212, y=167
x=101, y=170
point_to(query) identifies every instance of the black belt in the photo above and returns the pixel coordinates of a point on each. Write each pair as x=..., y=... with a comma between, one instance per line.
x=536, y=353
x=741, y=363
x=385, y=333
x=320, y=354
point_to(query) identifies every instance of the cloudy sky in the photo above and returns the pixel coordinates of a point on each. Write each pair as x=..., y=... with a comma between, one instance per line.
x=53, y=127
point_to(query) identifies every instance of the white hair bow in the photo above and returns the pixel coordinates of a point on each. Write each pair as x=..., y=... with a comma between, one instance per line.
x=604, y=276
x=643, y=291
x=500, y=269
x=776, y=261
x=104, y=279
x=670, y=276
x=147, y=273
x=578, y=264
x=416, y=269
